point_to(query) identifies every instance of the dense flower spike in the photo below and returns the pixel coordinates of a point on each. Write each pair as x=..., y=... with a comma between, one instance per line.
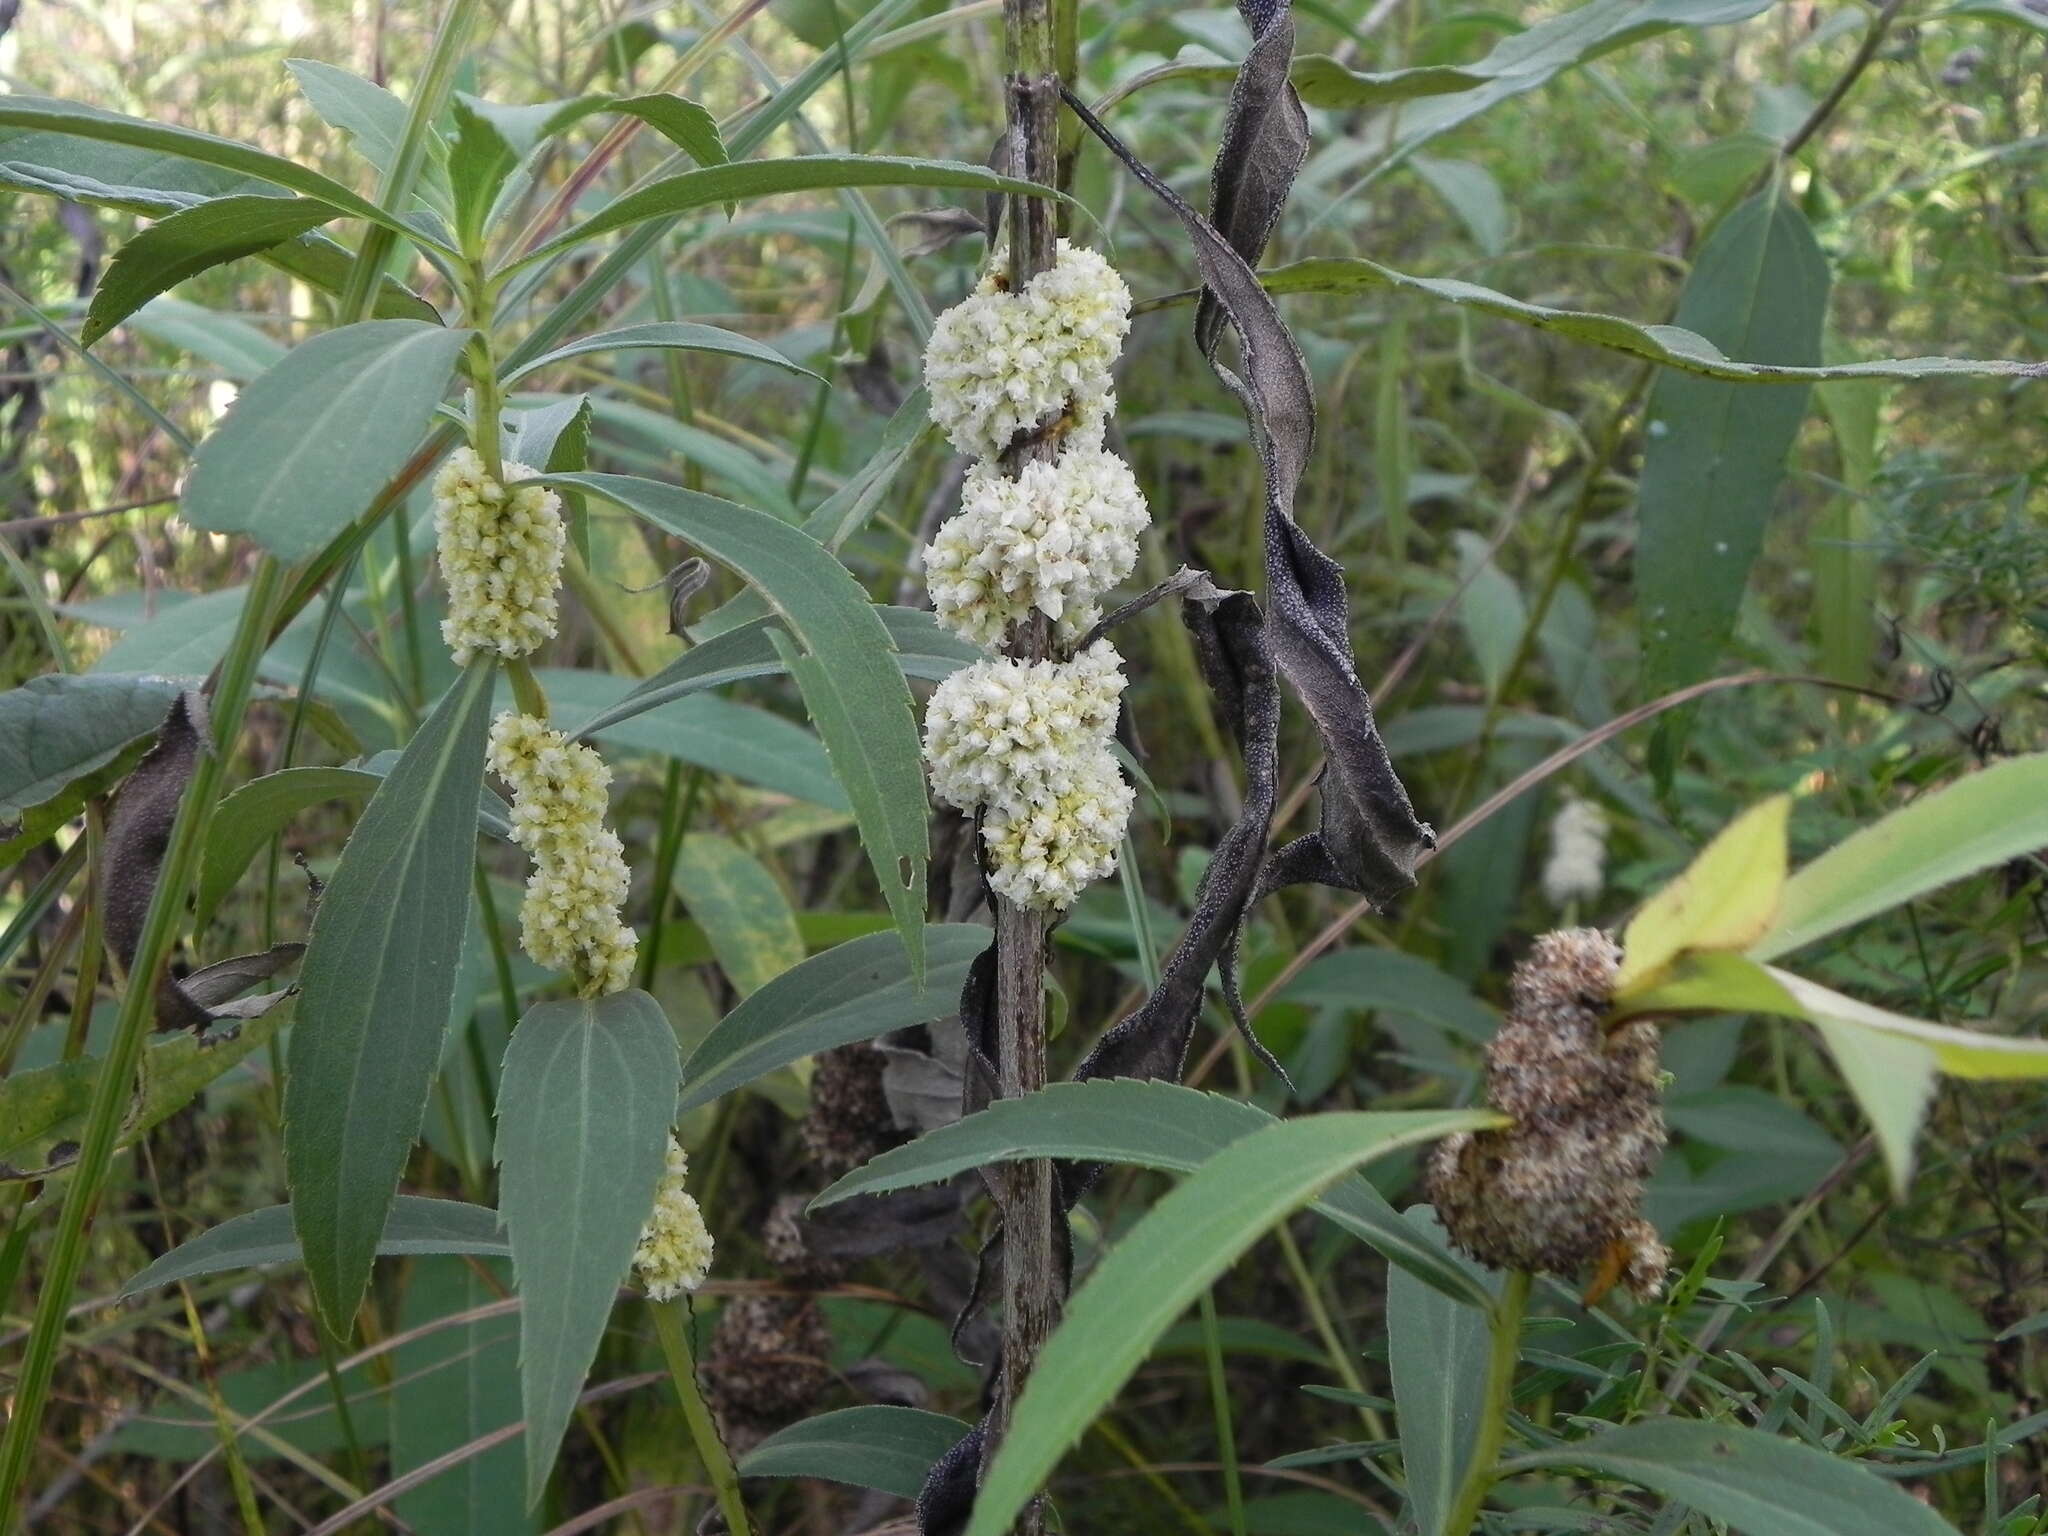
x=1561, y=1189
x=675, y=1246
x=570, y=918
x=1028, y=744
x=998, y=726
x=1057, y=538
x=999, y=363
x=501, y=555
x=1578, y=853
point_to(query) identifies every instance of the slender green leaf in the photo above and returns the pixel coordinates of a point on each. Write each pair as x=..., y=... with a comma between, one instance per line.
x=872, y=1447
x=848, y=672
x=308, y=446
x=1436, y=1353
x=740, y=906
x=924, y=649
x=1716, y=453
x=265, y=1236
x=375, y=991
x=584, y=1110
x=1978, y=821
x=48, y=115
x=1757, y=1483
x=736, y=181
x=189, y=242
x=1152, y=1124
x=854, y=991
x=676, y=335
x=58, y=728
x=1845, y=554
x=253, y=814
x=453, y=1386
x=1165, y=1262
x=1673, y=346
x=1397, y=982
x=374, y=120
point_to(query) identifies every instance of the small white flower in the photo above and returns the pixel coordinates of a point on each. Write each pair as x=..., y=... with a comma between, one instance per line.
x=570, y=918
x=1578, y=853
x=501, y=556
x=1057, y=839
x=995, y=726
x=1057, y=538
x=1000, y=362
x=674, y=1254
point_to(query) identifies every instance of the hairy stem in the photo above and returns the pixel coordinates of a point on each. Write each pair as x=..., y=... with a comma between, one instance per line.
x=1483, y=1469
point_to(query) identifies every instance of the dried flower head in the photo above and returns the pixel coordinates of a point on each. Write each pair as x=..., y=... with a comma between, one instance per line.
x=1578, y=853
x=1561, y=1189
x=501, y=556
x=848, y=1121
x=1056, y=538
x=570, y=919
x=1000, y=362
x=767, y=1363
x=674, y=1254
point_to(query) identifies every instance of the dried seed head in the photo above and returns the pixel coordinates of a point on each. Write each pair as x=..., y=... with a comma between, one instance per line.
x=1561, y=1189
x=766, y=1365
x=849, y=1120
x=788, y=1248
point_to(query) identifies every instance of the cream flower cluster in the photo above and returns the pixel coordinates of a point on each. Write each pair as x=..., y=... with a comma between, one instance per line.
x=570, y=918
x=1576, y=869
x=1057, y=538
x=674, y=1254
x=501, y=555
x=1000, y=362
x=1027, y=743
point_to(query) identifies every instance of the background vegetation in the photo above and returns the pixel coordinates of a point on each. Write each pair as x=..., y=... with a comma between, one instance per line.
x=1487, y=484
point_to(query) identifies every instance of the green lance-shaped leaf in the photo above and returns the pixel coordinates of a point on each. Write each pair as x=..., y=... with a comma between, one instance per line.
x=1983, y=819
x=55, y=729
x=584, y=1110
x=853, y=991
x=1166, y=1262
x=375, y=992
x=666, y=335
x=1148, y=1123
x=416, y=1225
x=1756, y=1483
x=924, y=649
x=45, y=114
x=1717, y=451
x=1671, y=346
x=308, y=446
x=1436, y=1354
x=738, y=180
x=453, y=1385
x=253, y=814
x=847, y=670
x=882, y=1447
x=189, y=242
x=742, y=909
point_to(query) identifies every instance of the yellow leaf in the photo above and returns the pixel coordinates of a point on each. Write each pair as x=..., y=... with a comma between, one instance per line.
x=1725, y=900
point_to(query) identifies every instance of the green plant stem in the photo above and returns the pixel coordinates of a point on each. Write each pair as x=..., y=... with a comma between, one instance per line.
x=1219, y=1402
x=1483, y=1470
x=116, y=1078
x=672, y=1324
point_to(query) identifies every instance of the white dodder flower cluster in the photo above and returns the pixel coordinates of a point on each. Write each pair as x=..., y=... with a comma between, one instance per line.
x=1028, y=742
x=570, y=918
x=1057, y=538
x=1001, y=361
x=674, y=1254
x=501, y=554
x=1575, y=870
